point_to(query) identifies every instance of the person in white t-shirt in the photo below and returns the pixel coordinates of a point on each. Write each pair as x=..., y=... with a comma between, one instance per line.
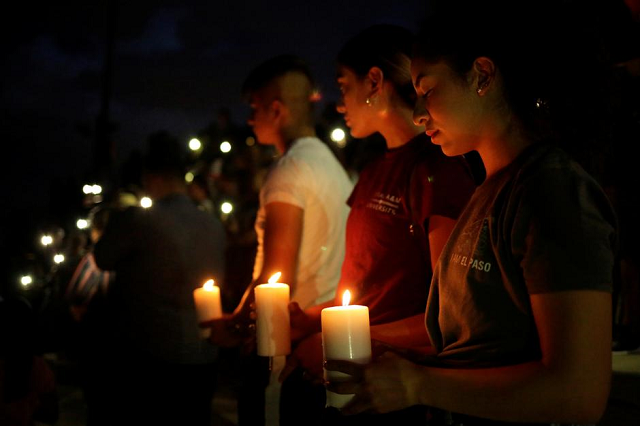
x=303, y=210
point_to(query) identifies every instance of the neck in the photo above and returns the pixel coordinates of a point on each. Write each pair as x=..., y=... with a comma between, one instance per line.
x=290, y=135
x=398, y=128
x=503, y=146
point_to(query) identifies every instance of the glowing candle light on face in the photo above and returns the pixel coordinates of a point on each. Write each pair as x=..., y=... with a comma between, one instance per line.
x=272, y=318
x=345, y=336
x=208, y=306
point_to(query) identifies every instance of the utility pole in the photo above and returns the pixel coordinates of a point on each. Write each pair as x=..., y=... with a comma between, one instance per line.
x=104, y=153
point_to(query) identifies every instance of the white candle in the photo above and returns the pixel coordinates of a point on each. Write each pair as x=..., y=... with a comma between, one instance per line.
x=272, y=318
x=208, y=306
x=345, y=336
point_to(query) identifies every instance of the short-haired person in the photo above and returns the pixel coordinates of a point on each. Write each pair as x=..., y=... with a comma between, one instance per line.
x=303, y=211
x=403, y=209
x=519, y=310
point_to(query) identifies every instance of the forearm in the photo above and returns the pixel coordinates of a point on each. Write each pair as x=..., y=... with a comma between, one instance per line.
x=530, y=392
x=315, y=313
x=312, y=320
x=405, y=333
x=247, y=298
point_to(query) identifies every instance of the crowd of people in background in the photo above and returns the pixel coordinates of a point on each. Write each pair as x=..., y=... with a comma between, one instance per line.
x=482, y=207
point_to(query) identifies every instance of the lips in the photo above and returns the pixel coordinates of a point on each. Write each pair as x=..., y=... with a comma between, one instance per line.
x=430, y=133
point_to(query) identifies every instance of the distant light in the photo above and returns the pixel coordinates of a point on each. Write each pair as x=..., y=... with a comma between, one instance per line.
x=195, y=144
x=250, y=141
x=92, y=189
x=226, y=207
x=127, y=199
x=25, y=280
x=82, y=223
x=225, y=147
x=46, y=240
x=316, y=96
x=58, y=258
x=189, y=177
x=339, y=137
x=146, y=202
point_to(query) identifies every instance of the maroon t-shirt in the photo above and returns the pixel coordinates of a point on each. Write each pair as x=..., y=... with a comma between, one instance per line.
x=387, y=265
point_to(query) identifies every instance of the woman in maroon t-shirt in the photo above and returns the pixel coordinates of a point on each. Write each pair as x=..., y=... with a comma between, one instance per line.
x=403, y=206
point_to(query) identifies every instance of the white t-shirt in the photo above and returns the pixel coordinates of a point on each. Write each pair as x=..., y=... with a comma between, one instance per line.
x=309, y=176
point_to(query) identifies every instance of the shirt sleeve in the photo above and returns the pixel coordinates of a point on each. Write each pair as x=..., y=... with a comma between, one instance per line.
x=288, y=182
x=564, y=234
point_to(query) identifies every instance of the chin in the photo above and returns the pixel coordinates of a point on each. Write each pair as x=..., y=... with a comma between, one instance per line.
x=359, y=134
x=263, y=140
x=448, y=149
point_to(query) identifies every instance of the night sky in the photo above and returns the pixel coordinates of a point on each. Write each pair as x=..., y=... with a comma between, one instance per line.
x=175, y=64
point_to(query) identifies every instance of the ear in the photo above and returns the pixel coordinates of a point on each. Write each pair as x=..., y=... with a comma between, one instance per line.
x=276, y=108
x=279, y=111
x=484, y=74
x=376, y=78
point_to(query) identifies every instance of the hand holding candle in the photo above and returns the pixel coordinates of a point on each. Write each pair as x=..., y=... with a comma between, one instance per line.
x=272, y=318
x=208, y=306
x=345, y=336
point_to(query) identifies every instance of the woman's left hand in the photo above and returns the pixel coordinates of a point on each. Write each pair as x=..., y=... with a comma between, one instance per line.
x=382, y=386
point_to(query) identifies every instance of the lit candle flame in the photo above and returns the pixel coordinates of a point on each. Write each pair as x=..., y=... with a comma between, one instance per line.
x=208, y=286
x=346, y=298
x=275, y=277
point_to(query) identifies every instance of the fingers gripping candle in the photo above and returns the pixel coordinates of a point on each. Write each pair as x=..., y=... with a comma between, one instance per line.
x=208, y=306
x=345, y=336
x=272, y=318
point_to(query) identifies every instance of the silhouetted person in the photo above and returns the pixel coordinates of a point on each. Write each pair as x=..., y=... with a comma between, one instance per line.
x=164, y=371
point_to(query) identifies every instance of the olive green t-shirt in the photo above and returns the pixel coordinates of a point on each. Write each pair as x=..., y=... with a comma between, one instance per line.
x=539, y=225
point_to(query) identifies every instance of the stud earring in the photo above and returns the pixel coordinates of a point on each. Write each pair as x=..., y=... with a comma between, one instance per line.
x=368, y=102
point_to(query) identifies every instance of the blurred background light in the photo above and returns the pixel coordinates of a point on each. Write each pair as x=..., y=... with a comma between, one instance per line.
x=225, y=147
x=146, y=202
x=226, y=207
x=339, y=137
x=195, y=144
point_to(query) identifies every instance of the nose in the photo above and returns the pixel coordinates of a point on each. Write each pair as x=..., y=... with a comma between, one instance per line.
x=420, y=114
x=340, y=107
